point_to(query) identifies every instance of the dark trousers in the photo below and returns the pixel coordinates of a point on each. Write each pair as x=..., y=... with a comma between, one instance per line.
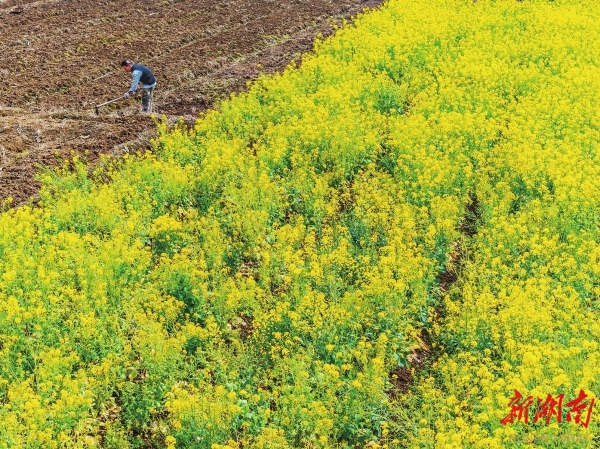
x=147, y=93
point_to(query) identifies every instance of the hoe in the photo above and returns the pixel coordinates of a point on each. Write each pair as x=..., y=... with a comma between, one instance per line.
x=104, y=104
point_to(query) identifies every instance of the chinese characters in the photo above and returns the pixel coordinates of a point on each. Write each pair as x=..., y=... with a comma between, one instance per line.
x=526, y=410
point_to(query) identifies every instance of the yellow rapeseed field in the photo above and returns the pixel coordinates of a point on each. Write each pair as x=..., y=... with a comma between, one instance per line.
x=394, y=245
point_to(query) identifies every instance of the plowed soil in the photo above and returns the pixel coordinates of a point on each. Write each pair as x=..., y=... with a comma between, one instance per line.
x=59, y=58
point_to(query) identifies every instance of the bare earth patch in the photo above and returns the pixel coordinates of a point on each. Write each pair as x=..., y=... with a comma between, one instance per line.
x=60, y=58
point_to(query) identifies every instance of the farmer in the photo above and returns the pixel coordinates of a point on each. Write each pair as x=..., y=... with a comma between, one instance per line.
x=140, y=74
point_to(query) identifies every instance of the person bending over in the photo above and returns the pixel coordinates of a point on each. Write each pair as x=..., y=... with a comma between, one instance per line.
x=140, y=74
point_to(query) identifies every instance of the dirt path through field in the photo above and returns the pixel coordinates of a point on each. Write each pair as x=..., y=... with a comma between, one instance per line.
x=61, y=57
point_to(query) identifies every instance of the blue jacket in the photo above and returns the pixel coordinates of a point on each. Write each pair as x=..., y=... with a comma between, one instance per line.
x=141, y=73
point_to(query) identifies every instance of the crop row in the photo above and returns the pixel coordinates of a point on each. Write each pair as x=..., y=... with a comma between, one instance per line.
x=518, y=340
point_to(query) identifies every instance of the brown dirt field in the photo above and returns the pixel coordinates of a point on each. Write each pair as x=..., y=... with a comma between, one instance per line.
x=61, y=57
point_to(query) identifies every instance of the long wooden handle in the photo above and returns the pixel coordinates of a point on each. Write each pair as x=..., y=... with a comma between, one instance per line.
x=111, y=101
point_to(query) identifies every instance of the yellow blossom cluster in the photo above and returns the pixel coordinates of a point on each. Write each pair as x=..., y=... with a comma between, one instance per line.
x=250, y=283
x=522, y=314
x=266, y=279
